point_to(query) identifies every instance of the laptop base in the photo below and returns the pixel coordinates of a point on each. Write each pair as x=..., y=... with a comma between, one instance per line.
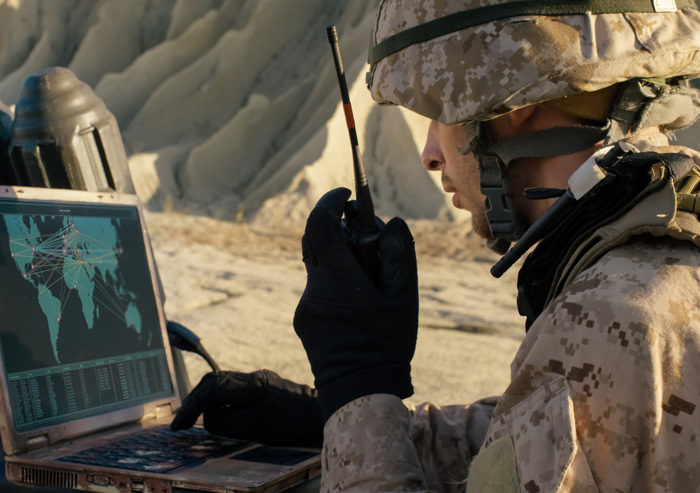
x=248, y=468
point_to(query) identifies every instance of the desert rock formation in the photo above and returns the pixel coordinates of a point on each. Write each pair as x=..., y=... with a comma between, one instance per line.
x=228, y=108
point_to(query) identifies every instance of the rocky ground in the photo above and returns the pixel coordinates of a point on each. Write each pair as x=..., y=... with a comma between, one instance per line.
x=237, y=288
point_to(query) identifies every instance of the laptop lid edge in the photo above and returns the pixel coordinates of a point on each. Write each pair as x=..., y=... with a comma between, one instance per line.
x=15, y=442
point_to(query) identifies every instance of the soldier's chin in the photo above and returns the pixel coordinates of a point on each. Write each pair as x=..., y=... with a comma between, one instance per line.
x=480, y=226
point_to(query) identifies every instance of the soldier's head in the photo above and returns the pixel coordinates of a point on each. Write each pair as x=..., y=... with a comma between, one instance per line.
x=500, y=79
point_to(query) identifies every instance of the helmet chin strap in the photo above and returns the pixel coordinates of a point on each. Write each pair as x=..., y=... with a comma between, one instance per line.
x=495, y=158
x=640, y=102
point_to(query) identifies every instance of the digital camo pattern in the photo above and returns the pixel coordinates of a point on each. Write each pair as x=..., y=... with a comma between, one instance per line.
x=375, y=444
x=487, y=70
x=623, y=345
x=541, y=400
x=446, y=439
x=367, y=447
x=655, y=214
x=604, y=394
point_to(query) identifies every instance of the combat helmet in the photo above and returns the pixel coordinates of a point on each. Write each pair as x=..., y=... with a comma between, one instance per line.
x=462, y=62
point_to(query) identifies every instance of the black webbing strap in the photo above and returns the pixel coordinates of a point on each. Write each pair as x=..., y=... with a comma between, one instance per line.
x=495, y=158
x=498, y=208
x=481, y=15
x=555, y=141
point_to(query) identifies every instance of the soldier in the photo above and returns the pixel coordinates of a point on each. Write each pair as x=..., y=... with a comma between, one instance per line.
x=550, y=124
x=604, y=388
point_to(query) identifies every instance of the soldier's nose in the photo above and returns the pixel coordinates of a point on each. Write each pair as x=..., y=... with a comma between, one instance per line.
x=432, y=157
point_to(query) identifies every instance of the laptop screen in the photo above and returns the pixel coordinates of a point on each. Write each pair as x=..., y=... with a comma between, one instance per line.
x=79, y=327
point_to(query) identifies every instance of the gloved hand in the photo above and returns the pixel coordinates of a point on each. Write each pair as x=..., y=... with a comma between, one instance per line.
x=260, y=406
x=359, y=334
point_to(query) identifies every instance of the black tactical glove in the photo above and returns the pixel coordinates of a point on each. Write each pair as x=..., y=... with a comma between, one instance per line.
x=359, y=333
x=260, y=406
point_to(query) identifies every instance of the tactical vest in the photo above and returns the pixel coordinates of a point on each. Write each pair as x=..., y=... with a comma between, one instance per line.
x=645, y=193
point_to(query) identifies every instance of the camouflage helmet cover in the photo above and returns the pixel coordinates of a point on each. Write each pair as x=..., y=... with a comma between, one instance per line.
x=482, y=71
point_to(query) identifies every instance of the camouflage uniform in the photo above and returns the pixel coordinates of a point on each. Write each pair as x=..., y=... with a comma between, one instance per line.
x=603, y=391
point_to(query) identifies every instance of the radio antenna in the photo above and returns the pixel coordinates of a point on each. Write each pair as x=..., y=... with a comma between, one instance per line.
x=365, y=208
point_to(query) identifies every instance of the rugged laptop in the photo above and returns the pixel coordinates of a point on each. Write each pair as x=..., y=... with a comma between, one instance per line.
x=87, y=379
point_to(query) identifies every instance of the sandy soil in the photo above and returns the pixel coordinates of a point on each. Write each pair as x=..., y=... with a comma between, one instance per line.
x=237, y=288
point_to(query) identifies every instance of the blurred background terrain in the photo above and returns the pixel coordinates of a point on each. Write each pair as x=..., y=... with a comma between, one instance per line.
x=231, y=118
x=228, y=108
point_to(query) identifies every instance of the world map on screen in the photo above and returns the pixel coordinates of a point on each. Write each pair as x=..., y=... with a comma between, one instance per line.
x=80, y=258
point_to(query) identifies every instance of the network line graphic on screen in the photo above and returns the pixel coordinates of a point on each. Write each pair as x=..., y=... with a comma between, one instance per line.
x=79, y=258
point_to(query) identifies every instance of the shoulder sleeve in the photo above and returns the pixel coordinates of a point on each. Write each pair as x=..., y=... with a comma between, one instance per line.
x=604, y=388
x=375, y=443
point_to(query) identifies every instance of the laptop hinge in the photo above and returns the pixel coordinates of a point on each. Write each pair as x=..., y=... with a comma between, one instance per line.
x=37, y=442
x=162, y=410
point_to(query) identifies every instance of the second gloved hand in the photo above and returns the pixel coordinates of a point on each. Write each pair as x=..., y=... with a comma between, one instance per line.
x=260, y=406
x=359, y=332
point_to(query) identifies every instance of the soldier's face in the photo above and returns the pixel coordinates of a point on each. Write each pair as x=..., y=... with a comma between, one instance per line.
x=460, y=173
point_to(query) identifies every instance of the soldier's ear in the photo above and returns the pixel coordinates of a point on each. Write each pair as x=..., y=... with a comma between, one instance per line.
x=511, y=124
x=518, y=118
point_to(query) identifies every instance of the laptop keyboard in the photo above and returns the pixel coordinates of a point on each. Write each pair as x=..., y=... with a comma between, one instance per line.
x=158, y=450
